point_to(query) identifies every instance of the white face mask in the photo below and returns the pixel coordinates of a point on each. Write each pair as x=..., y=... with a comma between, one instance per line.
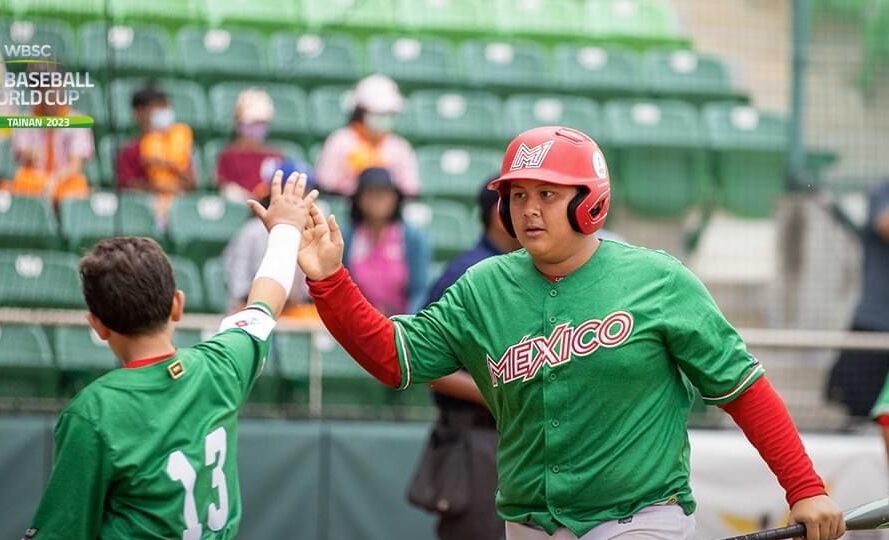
x=161, y=119
x=379, y=123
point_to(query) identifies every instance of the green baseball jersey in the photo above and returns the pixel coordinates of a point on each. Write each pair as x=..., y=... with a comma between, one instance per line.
x=881, y=407
x=587, y=377
x=151, y=452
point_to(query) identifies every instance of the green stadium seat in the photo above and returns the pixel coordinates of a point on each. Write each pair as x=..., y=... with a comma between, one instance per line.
x=104, y=215
x=92, y=103
x=169, y=13
x=750, y=154
x=315, y=57
x=92, y=168
x=501, y=64
x=215, y=285
x=221, y=52
x=689, y=75
x=27, y=222
x=525, y=111
x=82, y=356
x=661, y=160
x=26, y=362
x=201, y=225
x=413, y=60
x=268, y=14
x=356, y=15
x=139, y=48
x=7, y=162
x=343, y=381
x=187, y=97
x=455, y=17
x=188, y=278
x=329, y=108
x=600, y=71
x=451, y=226
x=290, y=117
x=107, y=157
x=456, y=172
x=70, y=10
x=39, y=279
x=292, y=353
x=637, y=22
x=455, y=116
x=53, y=32
x=541, y=19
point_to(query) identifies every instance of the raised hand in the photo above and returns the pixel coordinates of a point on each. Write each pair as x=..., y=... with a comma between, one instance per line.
x=321, y=249
x=288, y=206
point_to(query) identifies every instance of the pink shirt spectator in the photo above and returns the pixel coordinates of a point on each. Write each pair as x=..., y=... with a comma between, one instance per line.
x=345, y=154
x=380, y=269
x=67, y=144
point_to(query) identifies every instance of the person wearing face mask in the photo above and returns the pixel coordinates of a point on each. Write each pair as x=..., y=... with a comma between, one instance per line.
x=241, y=166
x=368, y=141
x=159, y=158
x=50, y=160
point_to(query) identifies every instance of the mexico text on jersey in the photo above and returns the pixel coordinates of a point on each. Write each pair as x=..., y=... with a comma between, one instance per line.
x=523, y=360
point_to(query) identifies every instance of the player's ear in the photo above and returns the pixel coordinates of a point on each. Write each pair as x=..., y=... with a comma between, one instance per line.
x=101, y=330
x=178, y=305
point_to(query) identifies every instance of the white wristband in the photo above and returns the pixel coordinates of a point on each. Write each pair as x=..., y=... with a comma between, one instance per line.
x=279, y=261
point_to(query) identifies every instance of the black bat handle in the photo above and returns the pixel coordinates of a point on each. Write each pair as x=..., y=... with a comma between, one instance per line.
x=774, y=534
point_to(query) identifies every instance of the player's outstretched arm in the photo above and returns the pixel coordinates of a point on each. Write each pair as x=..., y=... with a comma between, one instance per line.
x=285, y=219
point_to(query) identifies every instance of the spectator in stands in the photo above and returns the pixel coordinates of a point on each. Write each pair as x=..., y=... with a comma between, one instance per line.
x=244, y=252
x=159, y=159
x=857, y=376
x=244, y=166
x=388, y=259
x=462, y=410
x=50, y=160
x=368, y=141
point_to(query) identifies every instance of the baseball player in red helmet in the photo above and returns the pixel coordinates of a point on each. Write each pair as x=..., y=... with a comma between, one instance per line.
x=586, y=352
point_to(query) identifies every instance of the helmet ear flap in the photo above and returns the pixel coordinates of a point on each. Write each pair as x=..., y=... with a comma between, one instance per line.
x=503, y=212
x=574, y=209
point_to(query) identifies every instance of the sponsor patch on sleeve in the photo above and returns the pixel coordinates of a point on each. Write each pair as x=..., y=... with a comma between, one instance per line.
x=254, y=321
x=30, y=534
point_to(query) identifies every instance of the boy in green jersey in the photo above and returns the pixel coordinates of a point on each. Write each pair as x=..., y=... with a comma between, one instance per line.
x=149, y=451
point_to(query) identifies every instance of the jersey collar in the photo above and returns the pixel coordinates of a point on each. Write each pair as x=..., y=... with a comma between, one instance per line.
x=144, y=362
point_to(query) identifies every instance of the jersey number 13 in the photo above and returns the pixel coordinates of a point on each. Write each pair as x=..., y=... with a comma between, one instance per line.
x=180, y=470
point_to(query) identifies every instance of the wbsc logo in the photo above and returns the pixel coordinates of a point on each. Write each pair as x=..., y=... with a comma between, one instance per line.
x=19, y=50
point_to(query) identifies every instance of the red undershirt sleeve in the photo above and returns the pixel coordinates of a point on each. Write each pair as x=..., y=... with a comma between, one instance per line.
x=765, y=420
x=365, y=333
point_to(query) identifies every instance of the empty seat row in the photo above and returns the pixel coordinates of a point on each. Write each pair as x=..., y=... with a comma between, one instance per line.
x=50, y=279
x=310, y=58
x=58, y=361
x=634, y=21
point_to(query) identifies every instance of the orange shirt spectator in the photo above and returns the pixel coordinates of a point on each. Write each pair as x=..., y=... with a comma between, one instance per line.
x=159, y=159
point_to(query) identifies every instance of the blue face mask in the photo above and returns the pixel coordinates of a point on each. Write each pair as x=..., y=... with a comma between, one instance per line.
x=254, y=130
x=162, y=119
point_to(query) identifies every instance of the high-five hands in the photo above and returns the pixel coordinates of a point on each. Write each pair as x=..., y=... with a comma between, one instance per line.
x=288, y=206
x=321, y=249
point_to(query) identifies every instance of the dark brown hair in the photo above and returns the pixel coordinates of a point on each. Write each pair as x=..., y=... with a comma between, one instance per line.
x=128, y=284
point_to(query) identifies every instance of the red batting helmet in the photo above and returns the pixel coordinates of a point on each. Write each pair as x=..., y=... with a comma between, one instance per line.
x=564, y=156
